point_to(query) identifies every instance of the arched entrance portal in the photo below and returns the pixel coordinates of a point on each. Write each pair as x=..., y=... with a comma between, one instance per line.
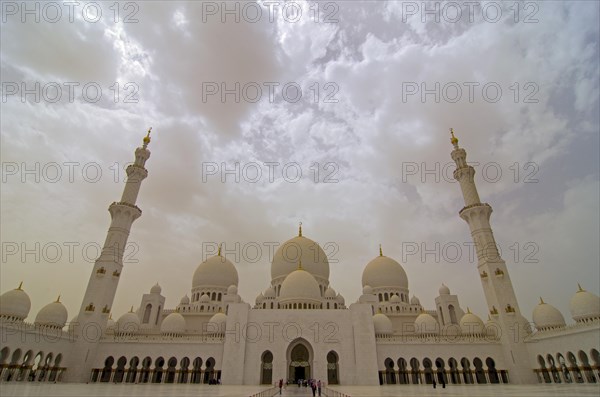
x=299, y=358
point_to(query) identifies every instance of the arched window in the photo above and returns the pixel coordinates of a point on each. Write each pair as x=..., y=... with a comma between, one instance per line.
x=266, y=373
x=452, y=314
x=219, y=297
x=157, y=314
x=147, y=312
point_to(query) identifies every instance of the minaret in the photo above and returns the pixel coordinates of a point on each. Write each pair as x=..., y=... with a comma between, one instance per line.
x=498, y=289
x=102, y=285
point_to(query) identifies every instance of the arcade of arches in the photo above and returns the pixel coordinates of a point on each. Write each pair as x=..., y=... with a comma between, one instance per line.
x=569, y=368
x=31, y=366
x=453, y=372
x=159, y=370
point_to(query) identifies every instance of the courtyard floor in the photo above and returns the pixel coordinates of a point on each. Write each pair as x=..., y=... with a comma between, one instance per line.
x=132, y=390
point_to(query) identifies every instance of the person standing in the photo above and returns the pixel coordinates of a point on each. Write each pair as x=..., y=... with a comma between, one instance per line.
x=313, y=387
x=319, y=387
x=280, y=385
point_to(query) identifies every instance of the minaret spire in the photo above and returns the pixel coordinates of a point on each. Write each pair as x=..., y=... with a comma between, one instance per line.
x=102, y=285
x=498, y=289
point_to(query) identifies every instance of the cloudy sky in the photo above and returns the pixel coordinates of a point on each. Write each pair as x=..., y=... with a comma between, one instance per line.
x=346, y=104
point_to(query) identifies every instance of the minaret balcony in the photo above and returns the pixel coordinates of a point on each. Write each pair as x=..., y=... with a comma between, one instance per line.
x=134, y=209
x=105, y=309
x=499, y=273
x=90, y=308
x=116, y=273
x=484, y=275
x=494, y=311
x=474, y=206
x=101, y=272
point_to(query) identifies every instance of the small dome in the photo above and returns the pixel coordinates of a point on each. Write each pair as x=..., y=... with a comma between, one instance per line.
x=383, y=325
x=470, y=324
x=232, y=290
x=384, y=272
x=367, y=290
x=299, y=285
x=15, y=303
x=313, y=258
x=216, y=271
x=415, y=301
x=156, y=289
x=269, y=292
x=52, y=315
x=395, y=299
x=584, y=305
x=185, y=300
x=260, y=298
x=546, y=316
x=444, y=290
x=174, y=323
x=216, y=324
x=128, y=322
x=204, y=298
x=340, y=299
x=426, y=324
x=329, y=293
x=110, y=324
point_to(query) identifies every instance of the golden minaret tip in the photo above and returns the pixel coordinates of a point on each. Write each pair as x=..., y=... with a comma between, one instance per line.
x=147, y=137
x=453, y=140
x=300, y=230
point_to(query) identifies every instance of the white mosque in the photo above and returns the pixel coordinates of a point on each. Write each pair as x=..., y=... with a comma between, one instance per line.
x=299, y=327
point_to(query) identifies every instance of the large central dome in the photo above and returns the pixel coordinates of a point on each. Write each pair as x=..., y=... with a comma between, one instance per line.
x=215, y=272
x=299, y=248
x=384, y=272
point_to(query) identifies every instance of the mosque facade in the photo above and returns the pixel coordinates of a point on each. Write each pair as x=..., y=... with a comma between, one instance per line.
x=299, y=327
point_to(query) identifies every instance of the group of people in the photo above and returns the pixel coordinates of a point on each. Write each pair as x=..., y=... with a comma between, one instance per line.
x=314, y=384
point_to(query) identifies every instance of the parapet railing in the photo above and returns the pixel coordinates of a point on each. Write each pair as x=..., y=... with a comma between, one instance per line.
x=333, y=393
x=267, y=393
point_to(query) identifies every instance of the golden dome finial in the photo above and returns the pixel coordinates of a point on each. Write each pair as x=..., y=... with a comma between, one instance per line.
x=58, y=299
x=453, y=140
x=380, y=250
x=147, y=137
x=580, y=289
x=300, y=265
x=20, y=287
x=468, y=310
x=131, y=310
x=110, y=316
x=300, y=230
x=219, y=253
x=541, y=301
